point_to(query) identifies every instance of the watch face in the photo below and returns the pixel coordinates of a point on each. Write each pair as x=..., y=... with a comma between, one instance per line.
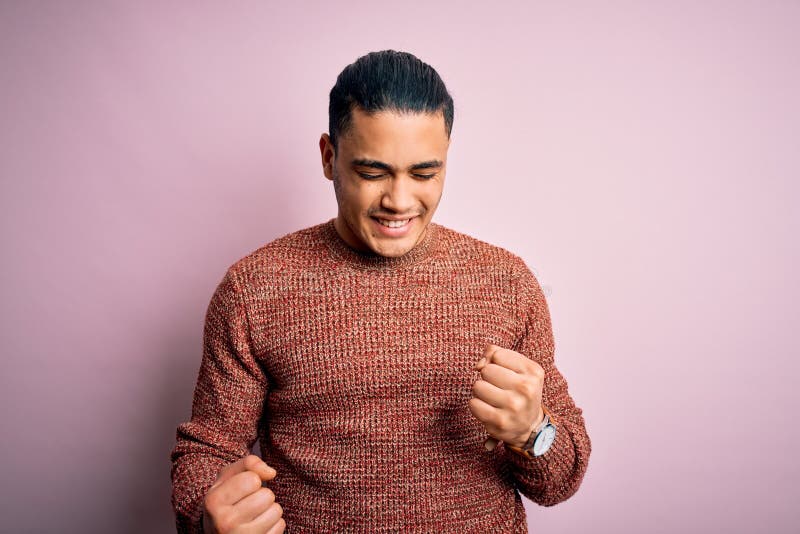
x=544, y=440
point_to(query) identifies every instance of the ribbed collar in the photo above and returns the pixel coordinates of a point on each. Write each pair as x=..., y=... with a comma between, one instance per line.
x=370, y=260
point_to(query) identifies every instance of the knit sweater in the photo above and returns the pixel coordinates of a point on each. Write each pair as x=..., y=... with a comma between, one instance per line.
x=354, y=372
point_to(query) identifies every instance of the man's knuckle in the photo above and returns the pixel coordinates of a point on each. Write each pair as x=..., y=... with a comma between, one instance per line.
x=265, y=496
x=225, y=524
x=501, y=422
x=210, y=501
x=527, y=389
x=254, y=479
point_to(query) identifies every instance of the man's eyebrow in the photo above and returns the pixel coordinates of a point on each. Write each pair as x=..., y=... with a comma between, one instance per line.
x=372, y=163
x=375, y=164
x=430, y=164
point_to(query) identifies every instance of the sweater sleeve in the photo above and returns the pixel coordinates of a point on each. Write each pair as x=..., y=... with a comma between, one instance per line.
x=226, y=406
x=556, y=475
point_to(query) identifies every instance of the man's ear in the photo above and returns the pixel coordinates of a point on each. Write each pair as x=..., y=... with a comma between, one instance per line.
x=328, y=154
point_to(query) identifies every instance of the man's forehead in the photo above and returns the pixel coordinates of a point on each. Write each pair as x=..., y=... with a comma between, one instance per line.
x=396, y=135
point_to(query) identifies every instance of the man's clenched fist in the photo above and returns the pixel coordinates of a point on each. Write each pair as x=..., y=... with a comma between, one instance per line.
x=508, y=399
x=238, y=504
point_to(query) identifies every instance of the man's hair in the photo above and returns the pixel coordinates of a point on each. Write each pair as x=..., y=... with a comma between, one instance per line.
x=387, y=81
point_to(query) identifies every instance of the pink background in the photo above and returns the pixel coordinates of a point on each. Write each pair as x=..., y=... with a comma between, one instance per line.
x=641, y=157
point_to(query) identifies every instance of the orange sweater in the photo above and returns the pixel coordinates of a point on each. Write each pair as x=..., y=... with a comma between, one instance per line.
x=354, y=372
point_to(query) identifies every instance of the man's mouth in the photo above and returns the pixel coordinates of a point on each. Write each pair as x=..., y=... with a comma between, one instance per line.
x=392, y=223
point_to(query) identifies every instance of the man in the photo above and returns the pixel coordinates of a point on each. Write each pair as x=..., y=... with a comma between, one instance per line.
x=398, y=374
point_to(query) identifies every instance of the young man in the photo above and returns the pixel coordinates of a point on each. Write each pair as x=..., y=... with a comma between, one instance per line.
x=399, y=375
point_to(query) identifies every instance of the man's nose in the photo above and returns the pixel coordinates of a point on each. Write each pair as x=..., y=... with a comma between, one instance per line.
x=399, y=196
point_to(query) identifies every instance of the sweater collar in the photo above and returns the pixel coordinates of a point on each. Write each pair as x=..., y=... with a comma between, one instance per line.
x=370, y=260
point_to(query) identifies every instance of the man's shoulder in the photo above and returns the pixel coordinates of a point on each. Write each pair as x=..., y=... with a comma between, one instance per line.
x=475, y=251
x=287, y=250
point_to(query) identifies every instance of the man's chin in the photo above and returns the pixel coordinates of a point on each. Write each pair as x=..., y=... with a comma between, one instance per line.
x=394, y=253
x=393, y=250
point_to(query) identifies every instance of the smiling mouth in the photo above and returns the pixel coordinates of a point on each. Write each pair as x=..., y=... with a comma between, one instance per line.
x=392, y=223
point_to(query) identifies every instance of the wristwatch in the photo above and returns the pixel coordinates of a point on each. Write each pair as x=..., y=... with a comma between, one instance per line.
x=541, y=438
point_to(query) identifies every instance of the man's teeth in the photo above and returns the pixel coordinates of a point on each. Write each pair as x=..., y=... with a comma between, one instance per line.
x=393, y=224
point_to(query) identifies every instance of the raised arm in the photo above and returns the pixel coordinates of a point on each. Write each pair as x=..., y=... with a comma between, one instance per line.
x=226, y=407
x=556, y=475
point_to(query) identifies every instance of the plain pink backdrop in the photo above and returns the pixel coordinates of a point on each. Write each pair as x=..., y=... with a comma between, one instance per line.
x=642, y=157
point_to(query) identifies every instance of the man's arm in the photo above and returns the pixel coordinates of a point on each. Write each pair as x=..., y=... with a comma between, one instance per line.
x=556, y=475
x=226, y=407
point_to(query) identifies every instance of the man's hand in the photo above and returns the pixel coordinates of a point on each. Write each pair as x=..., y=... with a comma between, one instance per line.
x=508, y=401
x=238, y=504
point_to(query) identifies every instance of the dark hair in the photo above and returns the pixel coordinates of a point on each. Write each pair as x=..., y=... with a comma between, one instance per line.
x=387, y=80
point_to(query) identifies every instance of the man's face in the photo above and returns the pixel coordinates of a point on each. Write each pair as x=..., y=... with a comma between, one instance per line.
x=389, y=170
